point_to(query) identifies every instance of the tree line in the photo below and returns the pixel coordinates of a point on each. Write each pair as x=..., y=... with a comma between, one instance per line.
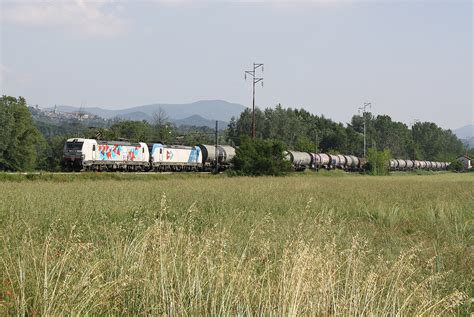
x=26, y=144
x=303, y=131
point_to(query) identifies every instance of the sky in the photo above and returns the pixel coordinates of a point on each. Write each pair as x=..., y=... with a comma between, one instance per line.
x=409, y=59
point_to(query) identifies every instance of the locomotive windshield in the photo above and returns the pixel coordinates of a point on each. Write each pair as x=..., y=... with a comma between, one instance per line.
x=74, y=146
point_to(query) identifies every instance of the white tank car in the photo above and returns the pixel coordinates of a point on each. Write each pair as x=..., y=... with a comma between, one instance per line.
x=402, y=164
x=348, y=162
x=422, y=165
x=355, y=162
x=323, y=160
x=300, y=160
x=226, y=153
x=393, y=164
x=410, y=164
x=98, y=155
x=342, y=161
x=417, y=164
x=335, y=160
x=175, y=157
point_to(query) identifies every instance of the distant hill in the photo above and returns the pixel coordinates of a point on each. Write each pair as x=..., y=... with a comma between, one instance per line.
x=465, y=132
x=204, y=109
x=198, y=121
x=469, y=142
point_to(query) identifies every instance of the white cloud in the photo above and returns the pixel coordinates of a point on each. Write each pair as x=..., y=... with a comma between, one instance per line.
x=96, y=18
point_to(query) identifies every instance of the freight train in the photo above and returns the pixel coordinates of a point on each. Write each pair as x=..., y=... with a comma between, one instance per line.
x=90, y=154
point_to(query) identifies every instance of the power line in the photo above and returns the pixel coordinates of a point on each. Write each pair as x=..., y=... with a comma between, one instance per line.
x=364, y=108
x=415, y=121
x=255, y=80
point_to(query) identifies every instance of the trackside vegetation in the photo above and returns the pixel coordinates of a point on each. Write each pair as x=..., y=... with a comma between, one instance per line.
x=260, y=157
x=305, y=244
x=377, y=161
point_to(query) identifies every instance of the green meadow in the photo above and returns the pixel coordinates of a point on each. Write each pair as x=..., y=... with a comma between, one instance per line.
x=305, y=244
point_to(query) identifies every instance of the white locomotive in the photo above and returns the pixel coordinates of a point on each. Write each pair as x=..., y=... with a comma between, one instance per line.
x=175, y=157
x=90, y=154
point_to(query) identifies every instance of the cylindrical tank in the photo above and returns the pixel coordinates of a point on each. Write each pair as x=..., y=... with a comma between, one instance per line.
x=354, y=161
x=410, y=164
x=422, y=165
x=417, y=164
x=342, y=161
x=348, y=162
x=428, y=165
x=335, y=161
x=313, y=160
x=323, y=159
x=226, y=153
x=208, y=153
x=300, y=158
x=402, y=164
x=393, y=164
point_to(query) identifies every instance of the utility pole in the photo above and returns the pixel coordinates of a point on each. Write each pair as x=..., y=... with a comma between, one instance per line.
x=216, y=153
x=415, y=121
x=317, y=140
x=255, y=80
x=364, y=108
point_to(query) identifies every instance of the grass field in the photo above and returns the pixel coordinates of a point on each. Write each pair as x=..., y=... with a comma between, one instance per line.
x=214, y=245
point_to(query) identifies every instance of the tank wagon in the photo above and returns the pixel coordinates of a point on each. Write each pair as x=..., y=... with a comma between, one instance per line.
x=299, y=160
x=322, y=160
x=406, y=165
x=225, y=154
x=90, y=154
x=303, y=160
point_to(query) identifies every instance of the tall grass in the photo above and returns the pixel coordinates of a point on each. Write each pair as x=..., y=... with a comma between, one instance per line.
x=227, y=246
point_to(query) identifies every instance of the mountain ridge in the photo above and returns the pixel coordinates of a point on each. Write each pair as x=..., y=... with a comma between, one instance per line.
x=220, y=110
x=465, y=132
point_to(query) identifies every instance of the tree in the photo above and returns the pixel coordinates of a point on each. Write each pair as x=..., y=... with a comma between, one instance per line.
x=134, y=131
x=304, y=144
x=162, y=128
x=260, y=157
x=18, y=135
x=50, y=154
x=231, y=131
x=378, y=161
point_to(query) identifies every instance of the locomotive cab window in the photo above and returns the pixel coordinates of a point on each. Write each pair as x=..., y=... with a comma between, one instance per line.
x=161, y=151
x=74, y=146
x=93, y=147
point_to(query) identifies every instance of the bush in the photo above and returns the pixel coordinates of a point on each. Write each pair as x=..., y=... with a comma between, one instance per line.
x=456, y=166
x=260, y=157
x=377, y=162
